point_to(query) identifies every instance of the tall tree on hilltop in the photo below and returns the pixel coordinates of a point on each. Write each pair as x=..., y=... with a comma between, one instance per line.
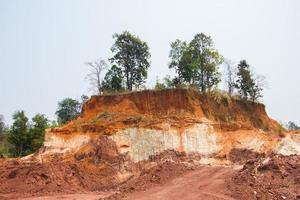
x=131, y=55
x=206, y=59
x=244, y=80
x=179, y=61
x=196, y=63
x=247, y=85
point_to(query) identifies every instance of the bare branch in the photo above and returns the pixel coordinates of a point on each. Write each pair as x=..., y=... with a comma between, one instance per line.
x=95, y=75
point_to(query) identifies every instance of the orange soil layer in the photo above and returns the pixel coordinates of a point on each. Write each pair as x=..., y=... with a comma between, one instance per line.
x=179, y=107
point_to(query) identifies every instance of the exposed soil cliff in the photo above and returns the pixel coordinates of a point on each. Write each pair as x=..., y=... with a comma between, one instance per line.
x=114, y=142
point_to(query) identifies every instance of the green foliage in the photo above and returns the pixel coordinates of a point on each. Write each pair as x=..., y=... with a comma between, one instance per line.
x=292, y=126
x=170, y=83
x=19, y=135
x=37, y=131
x=2, y=128
x=113, y=80
x=4, y=145
x=196, y=63
x=25, y=137
x=67, y=110
x=131, y=56
x=247, y=86
x=179, y=61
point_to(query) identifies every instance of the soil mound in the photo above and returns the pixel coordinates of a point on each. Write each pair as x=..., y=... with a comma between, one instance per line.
x=274, y=177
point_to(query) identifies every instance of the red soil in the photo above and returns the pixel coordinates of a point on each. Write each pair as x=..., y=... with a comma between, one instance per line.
x=98, y=166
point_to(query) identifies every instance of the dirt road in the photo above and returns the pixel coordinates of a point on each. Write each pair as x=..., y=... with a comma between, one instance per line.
x=204, y=183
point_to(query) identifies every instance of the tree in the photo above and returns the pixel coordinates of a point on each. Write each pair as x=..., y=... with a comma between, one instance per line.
x=179, y=56
x=247, y=85
x=113, y=80
x=19, y=135
x=292, y=126
x=206, y=59
x=2, y=127
x=244, y=80
x=67, y=110
x=196, y=63
x=131, y=56
x=37, y=131
x=95, y=75
x=230, y=76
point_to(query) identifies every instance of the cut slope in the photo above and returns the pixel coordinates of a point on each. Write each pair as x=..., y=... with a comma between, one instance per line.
x=116, y=136
x=181, y=103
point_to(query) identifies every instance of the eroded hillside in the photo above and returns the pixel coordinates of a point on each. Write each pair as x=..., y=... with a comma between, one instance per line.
x=118, y=139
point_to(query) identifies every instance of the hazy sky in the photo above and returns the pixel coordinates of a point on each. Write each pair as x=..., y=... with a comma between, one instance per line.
x=44, y=44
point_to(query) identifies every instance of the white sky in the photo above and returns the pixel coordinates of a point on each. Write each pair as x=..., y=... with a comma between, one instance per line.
x=44, y=44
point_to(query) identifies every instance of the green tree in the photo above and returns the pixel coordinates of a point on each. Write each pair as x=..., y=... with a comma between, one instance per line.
x=131, y=55
x=3, y=138
x=113, y=80
x=248, y=87
x=37, y=131
x=19, y=136
x=2, y=128
x=67, y=110
x=180, y=57
x=244, y=80
x=196, y=63
x=206, y=60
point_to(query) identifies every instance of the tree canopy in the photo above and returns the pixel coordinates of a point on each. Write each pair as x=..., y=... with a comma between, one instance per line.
x=196, y=63
x=67, y=110
x=130, y=54
x=247, y=85
x=19, y=135
x=37, y=131
x=113, y=80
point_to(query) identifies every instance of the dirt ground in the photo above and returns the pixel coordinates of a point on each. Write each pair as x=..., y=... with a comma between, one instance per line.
x=203, y=183
x=175, y=176
x=275, y=177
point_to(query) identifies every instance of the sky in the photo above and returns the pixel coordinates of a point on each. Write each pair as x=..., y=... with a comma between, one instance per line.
x=44, y=45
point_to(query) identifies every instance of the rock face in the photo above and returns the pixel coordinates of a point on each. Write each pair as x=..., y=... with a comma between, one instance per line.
x=143, y=143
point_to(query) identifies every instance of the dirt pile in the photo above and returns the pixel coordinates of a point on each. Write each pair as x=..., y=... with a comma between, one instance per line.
x=274, y=177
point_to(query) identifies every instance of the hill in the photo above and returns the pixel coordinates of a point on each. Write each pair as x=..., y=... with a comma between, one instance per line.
x=121, y=140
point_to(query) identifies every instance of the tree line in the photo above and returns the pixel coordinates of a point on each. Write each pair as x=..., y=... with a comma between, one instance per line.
x=196, y=64
x=26, y=136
